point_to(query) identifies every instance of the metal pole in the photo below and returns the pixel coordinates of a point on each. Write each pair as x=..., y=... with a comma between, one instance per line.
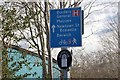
x=65, y=71
x=65, y=74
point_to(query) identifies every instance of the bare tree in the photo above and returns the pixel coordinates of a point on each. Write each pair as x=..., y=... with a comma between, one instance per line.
x=102, y=63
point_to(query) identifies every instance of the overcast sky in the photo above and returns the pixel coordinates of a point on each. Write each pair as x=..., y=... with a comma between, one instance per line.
x=100, y=27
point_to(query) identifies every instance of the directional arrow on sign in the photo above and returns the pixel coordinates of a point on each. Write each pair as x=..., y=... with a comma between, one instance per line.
x=53, y=28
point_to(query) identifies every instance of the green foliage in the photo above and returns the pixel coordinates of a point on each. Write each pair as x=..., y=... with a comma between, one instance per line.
x=6, y=72
x=11, y=22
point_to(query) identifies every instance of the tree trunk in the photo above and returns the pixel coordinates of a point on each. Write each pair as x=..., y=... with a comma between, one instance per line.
x=47, y=41
x=43, y=56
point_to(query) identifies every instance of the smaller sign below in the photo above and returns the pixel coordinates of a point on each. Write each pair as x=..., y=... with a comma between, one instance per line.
x=64, y=59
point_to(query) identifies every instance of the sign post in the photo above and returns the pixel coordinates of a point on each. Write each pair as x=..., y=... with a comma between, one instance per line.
x=65, y=31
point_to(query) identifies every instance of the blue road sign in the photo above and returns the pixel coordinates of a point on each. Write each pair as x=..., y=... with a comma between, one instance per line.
x=65, y=27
